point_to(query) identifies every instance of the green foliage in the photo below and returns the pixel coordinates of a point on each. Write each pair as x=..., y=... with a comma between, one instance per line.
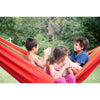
x=25, y=27
x=92, y=30
x=7, y=26
x=63, y=29
x=72, y=29
x=44, y=43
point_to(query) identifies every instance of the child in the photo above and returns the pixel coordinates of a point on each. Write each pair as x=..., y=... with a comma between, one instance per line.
x=79, y=55
x=32, y=46
x=57, y=65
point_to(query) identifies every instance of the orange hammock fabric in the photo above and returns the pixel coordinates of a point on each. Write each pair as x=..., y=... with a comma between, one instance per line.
x=25, y=72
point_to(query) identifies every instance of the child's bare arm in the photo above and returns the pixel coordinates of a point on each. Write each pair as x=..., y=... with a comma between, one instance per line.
x=75, y=65
x=46, y=54
x=72, y=64
x=78, y=63
x=58, y=74
x=41, y=62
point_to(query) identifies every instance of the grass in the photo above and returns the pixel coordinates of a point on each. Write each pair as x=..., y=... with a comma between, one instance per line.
x=5, y=77
x=94, y=76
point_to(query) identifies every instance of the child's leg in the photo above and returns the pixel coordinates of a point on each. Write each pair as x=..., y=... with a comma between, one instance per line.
x=61, y=80
x=70, y=78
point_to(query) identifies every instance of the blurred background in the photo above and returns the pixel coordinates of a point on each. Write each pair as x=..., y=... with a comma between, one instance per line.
x=50, y=32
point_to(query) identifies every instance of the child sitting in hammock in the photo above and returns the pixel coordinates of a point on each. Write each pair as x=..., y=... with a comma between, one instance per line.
x=58, y=64
x=32, y=46
x=79, y=55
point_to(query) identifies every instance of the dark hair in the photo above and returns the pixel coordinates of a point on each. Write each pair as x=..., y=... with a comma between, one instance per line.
x=58, y=52
x=83, y=42
x=30, y=43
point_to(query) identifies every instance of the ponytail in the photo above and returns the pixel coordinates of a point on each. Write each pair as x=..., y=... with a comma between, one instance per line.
x=51, y=60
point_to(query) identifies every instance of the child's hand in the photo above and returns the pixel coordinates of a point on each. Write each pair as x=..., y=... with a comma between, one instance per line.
x=47, y=51
x=66, y=60
x=66, y=65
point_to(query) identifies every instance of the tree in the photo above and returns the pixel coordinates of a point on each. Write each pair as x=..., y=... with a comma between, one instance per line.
x=92, y=30
x=7, y=26
x=26, y=27
x=71, y=29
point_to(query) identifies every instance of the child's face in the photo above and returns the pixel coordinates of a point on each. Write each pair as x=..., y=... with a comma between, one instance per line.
x=77, y=47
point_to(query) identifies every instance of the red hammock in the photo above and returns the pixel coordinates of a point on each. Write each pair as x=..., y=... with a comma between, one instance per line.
x=25, y=72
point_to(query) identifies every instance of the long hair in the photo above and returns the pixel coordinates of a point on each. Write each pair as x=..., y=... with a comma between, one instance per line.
x=58, y=52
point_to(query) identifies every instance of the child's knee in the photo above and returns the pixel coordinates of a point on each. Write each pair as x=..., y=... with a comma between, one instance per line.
x=71, y=78
x=61, y=80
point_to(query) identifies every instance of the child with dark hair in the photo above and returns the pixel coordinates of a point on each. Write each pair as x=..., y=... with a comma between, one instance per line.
x=79, y=55
x=32, y=46
x=57, y=65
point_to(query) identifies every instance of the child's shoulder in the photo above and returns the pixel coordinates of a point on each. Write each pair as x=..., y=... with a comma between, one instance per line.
x=35, y=57
x=85, y=53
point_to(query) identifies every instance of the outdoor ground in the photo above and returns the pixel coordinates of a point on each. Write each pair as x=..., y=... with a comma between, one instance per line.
x=94, y=76
x=7, y=78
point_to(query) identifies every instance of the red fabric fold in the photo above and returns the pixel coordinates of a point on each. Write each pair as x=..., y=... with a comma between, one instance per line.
x=25, y=72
